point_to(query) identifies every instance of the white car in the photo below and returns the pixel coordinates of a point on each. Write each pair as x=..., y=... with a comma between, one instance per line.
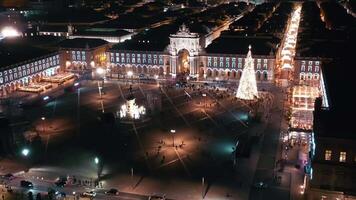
x=89, y=194
x=157, y=197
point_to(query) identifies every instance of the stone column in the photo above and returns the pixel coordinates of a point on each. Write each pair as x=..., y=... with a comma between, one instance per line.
x=173, y=65
x=193, y=65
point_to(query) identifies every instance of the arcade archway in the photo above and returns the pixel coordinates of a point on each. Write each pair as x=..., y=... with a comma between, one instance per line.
x=183, y=62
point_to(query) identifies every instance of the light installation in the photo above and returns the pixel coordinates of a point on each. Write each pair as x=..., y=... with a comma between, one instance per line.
x=247, y=89
x=131, y=110
x=288, y=50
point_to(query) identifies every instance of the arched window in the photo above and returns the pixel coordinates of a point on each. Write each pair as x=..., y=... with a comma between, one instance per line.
x=316, y=76
x=302, y=76
x=258, y=75
x=265, y=77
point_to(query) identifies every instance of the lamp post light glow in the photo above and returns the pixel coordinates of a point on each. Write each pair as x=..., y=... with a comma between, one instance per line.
x=100, y=71
x=25, y=152
x=96, y=160
x=129, y=73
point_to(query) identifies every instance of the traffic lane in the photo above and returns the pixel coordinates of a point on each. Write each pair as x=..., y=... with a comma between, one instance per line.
x=41, y=186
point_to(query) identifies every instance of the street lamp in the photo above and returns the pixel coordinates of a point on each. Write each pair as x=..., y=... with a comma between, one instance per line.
x=129, y=74
x=100, y=71
x=204, y=97
x=43, y=121
x=173, y=131
x=96, y=160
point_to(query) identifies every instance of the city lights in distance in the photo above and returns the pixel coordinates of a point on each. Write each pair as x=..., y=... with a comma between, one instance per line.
x=9, y=32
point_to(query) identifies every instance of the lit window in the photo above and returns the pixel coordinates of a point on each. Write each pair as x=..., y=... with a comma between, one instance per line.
x=310, y=68
x=327, y=154
x=316, y=68
x=342, y=156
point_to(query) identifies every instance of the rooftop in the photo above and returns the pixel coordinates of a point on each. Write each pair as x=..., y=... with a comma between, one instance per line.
x=338, y=121
x=82, y=43
x=102, y=32
x=315, y=40
x=73, y=15
x=230, y=44
x=12, y=51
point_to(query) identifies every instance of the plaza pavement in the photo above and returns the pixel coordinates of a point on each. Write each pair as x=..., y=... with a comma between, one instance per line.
x=206, y=147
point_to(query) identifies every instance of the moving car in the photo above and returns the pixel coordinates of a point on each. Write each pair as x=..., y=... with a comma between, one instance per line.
x=112, y=191
x=26, y=184
x=89, y=194
x=157, y=197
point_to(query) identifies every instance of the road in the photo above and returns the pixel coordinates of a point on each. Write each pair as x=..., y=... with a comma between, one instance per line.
x=41, y=185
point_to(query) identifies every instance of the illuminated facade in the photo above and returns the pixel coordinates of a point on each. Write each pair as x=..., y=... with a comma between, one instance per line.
x=19, y=74
x=185, y=55
x=83, y=54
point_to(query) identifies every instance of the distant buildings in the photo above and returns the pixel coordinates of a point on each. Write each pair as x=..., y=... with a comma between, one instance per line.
x=185, y=55
x=82, y=54
x=21, y=64
x=334, y=161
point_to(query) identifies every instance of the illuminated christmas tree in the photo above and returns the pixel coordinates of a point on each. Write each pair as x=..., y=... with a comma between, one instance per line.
x=247, y=89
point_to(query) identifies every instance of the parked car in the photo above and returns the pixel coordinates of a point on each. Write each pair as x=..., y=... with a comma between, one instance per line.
x=60, y=183
x=9, y=176
x=26, y=184
x=112, y=191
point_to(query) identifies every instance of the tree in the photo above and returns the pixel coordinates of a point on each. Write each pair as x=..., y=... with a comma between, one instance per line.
x=38, y=196
x=30, y=195
x=51, y=193
x=247, y=89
